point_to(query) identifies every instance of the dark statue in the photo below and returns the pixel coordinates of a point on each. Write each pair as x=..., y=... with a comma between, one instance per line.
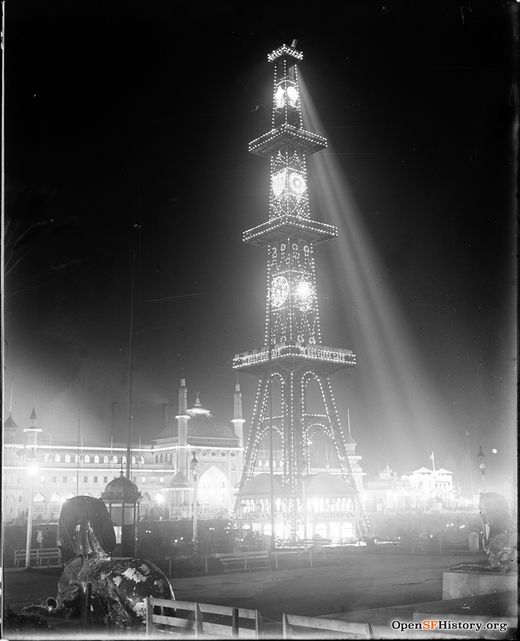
x=498, y=536
x=119, y=587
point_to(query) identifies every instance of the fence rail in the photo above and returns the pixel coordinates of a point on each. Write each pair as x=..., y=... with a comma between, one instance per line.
x=202, y=620
x=50, y=557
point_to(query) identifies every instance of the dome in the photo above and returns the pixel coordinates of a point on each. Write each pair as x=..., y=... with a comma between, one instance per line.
x=260, y=485
x=121, y=489
x=202, y=428
x=325, y=484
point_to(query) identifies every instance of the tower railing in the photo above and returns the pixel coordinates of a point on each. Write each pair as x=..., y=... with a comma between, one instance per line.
x=337, y=355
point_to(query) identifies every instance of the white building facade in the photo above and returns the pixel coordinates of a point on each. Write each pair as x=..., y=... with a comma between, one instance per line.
x=162, y=469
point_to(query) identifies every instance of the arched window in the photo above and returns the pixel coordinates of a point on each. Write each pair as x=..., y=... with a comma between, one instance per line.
x=57, y=458
x=114, y=459
x=96, y=459
x=105, y=459
x=160, y=458
x=76, y=459
x=133, y=460
x=67, y=458
x=55, y=498
x=87, y=458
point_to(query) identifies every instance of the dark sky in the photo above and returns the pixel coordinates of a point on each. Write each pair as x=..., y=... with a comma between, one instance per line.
x=118, y=112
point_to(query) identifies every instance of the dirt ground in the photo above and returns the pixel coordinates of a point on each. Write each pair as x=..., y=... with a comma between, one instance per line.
x=356, y=582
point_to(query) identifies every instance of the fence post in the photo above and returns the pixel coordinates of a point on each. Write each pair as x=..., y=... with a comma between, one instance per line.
x=234, y=622
x=149, y=614
x=198, y=621
x=286, y=634
x=258, y=624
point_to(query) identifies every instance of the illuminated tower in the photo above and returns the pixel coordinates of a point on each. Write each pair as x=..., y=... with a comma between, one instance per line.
x=293, y=356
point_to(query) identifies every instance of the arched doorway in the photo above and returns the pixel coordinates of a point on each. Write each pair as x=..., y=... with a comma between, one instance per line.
x=213, y=493
x=321, y=450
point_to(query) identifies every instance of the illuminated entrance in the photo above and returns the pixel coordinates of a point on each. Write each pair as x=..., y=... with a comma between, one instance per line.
x=213, y=492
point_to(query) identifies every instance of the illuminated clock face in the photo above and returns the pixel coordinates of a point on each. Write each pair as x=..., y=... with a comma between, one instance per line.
x=297, y=183
x=279, y=291
x=279, y=97
x=286, y=96
x=304, y=295
x=278, y=183
x=292, y=95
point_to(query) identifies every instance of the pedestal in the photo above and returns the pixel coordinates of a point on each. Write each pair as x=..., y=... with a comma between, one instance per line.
x=458, y=583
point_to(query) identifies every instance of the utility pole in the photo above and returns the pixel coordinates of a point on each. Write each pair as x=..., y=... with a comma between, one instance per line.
x=131, y=340
x=194, y=471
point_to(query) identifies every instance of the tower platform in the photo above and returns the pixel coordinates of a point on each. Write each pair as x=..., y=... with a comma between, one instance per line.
x=289, y=226
x=326, y=360
x=287, y=135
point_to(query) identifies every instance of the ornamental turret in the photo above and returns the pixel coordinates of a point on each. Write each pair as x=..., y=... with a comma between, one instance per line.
x=238, y=420
x=182, y=431
x=32, y=432
x=10, y=430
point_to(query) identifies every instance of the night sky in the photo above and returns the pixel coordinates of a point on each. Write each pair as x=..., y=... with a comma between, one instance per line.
x=125, y=112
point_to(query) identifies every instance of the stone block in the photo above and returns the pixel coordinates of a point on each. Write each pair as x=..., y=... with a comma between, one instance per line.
x=457, y=584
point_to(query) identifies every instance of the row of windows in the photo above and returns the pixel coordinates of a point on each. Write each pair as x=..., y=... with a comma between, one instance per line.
x=95, y=459
x=96, y=479
x=167, y=458
x=261, y=463
x=68, y=458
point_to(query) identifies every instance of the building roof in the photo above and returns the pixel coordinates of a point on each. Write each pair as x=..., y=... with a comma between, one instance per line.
x=325, y=484
x=260, y=485
x=33, y=415
x=121, y=489
x=10, y=428
x=423, y=470
x=9, y=422
x=202, y=427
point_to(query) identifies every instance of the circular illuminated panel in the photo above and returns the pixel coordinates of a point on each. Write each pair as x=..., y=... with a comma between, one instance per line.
x=304, y=294
x=292, y=95
x=278, y=183
x=279, y=291
x=297, y=183
x=279, y=97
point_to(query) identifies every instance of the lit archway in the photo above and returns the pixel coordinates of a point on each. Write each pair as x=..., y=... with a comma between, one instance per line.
x=213, y=492
x=321, y=450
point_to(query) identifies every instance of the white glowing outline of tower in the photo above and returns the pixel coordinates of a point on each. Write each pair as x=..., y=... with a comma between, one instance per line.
x=293, y=352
